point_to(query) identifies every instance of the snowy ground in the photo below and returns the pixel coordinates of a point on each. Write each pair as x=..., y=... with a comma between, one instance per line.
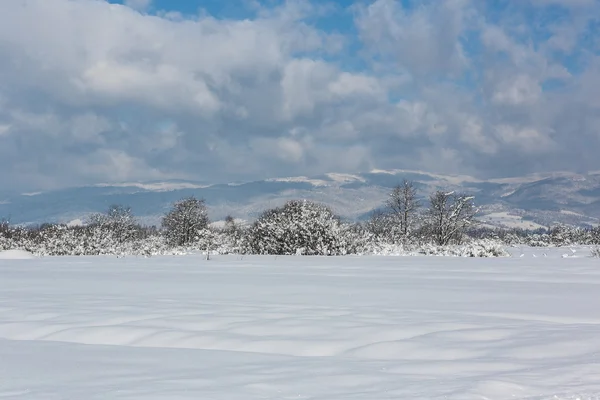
x=301, y=328
x=508, y=220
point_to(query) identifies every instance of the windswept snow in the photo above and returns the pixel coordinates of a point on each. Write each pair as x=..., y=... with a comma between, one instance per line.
x=301, y=328
x=16, y=255
x=300, y=179
x=157, y=186
x=345, y=178
x=76, y=222
x=571, y=213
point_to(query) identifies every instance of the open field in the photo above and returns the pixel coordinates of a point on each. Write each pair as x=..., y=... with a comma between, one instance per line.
x=301, y=327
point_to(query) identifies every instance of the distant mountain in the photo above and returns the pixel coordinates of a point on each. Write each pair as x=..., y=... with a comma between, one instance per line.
x=531, y=201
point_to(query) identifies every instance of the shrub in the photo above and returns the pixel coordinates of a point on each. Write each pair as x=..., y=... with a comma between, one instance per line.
x=299, y=227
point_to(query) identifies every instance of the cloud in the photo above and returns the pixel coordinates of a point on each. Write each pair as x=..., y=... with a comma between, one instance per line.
x=518, y=90
x=96, y=92
x=422, y=39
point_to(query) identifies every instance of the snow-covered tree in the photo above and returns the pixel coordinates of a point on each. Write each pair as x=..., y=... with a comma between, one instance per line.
x=404, y=206
x=384, y=226
x=299, y=227
x=448, y=216
x=118, y=220
x=233, y=232
x=185, y=221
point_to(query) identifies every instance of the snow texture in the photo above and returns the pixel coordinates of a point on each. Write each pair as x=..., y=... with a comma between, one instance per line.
x=15, y=255
x=321, y=328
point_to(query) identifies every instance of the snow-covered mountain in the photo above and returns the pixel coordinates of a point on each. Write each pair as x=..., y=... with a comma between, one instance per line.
x=530, y=201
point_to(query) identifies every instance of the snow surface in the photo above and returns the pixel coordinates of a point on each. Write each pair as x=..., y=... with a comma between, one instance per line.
x=334, y=328
x=300, y=179
x=509, y=221
x=157, y=186
x=15, y=255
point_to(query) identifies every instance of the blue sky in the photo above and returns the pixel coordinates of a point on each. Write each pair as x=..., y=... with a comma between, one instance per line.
x=95, y=91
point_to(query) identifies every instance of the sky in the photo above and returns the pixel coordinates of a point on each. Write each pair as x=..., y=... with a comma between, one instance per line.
x=95, y=91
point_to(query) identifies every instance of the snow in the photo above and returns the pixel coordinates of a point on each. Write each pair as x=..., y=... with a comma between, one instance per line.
x=300, y=179
x=15, y=255
x=510, y=192
x=509, y=221
x=157, y=186
x=330, y=328
x=533, y=177
x=441, y=179
x=76, y=222
x=571, y=213
x=345, y=178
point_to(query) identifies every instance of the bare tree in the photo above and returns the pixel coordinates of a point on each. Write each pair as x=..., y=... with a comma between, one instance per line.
x=449, y=215
x=383, y=225
x=404, y=205
x=185, y=220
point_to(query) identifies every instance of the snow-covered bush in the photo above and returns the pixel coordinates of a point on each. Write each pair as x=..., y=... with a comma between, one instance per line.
x=474, y=248
x=299, y=227
x=380, y=248
x=213, y=241
x=480, y=248
x=118, y=221
x=595, y=252
x=60, y=240
x=484, y=248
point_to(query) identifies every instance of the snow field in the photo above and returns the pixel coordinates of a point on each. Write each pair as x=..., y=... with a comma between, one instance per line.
x=16, y=255
x=301, y=327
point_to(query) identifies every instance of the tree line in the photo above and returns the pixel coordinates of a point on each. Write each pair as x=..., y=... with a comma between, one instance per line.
x=297, y=227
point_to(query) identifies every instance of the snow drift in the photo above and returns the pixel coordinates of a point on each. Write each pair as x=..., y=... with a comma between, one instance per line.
x=16, y=255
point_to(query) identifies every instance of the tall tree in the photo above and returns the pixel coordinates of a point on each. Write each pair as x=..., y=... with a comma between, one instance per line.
x=404, y=205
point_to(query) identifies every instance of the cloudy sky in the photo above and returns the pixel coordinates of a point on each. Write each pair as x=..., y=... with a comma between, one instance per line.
x=105, y=91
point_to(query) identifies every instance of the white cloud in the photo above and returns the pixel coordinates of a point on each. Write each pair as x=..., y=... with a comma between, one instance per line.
x=289, y=150
x=473, y=133
x=517, y=90
x=422, y=40
x=524, y=140
x=285, y=149
x=164, y=86
x=309, y=85
x=347, y=85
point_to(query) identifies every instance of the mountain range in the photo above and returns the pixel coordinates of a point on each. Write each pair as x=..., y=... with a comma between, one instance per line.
x=531, y=201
